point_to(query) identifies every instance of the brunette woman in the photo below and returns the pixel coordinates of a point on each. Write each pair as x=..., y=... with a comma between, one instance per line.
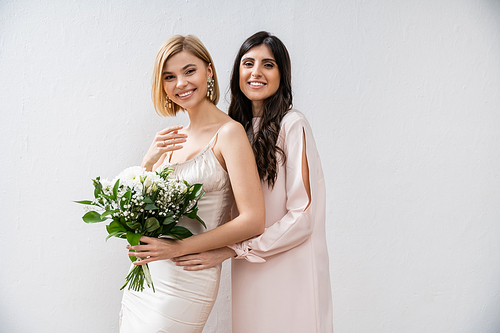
x=280, y=279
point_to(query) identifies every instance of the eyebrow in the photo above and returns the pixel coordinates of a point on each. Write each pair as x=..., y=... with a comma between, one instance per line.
x=265, y=59
x=183, y=68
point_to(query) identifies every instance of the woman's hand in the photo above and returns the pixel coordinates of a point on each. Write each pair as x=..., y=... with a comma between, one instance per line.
x=153, y=249
x=165, y=140
x=209, y=259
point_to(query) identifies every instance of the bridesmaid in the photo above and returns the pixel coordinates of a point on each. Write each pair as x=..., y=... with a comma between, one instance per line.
x=212, y=150
x=281, y=282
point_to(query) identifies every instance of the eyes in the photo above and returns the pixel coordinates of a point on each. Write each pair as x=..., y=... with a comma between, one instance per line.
x=187, y=72
x=266, y=64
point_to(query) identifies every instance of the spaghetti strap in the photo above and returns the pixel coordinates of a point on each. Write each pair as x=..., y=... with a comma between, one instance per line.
x=215, y=135
x=168, y=158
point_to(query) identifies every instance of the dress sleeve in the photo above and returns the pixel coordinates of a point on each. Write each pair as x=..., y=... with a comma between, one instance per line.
x=297, y=224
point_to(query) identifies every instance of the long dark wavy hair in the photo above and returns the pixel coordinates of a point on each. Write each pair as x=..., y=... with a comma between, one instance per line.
x=264, y=142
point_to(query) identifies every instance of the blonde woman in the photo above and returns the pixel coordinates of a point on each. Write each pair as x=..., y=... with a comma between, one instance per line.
x=212, y=150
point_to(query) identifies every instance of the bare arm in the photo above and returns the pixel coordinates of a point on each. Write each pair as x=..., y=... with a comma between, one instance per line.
x=204, y=260
x=238, y=158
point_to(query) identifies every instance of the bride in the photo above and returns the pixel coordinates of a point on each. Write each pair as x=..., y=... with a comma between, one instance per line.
x=212, y=150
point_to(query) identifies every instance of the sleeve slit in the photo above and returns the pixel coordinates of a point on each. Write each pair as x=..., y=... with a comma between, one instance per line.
x=305, y=170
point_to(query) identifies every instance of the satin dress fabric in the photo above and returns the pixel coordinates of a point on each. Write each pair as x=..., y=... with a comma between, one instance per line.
x=281, y=279
x=183, y=299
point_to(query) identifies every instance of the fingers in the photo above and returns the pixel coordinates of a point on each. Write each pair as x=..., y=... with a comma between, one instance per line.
x=139, y=248
x=143, y=261
x=167, y=140
x=195, y=268
x=172, y=135
x=188, y=262
x=139, y=254
x=170, y=144
x=192, y=262
x=145, y=250
x=151, y=249
x=170, y=129
x=187, y=257
x=147, y=240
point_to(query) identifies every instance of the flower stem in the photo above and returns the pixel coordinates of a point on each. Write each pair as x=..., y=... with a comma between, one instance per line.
x=135, y=278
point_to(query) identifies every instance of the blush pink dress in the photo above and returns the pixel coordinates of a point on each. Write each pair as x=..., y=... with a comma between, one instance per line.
x=280, y=279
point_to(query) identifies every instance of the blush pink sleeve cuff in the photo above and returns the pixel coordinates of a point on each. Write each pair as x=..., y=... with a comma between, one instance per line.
x=243, y=252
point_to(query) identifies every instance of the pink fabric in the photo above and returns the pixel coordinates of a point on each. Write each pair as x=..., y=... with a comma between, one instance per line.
x=283, y=285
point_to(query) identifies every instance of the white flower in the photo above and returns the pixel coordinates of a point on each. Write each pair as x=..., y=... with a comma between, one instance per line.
x=132, y=173
x=151, y=181
x=131, y=177
x=106, y=184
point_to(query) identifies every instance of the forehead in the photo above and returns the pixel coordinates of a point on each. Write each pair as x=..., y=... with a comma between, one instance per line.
x=261, y=51
x=180, y=60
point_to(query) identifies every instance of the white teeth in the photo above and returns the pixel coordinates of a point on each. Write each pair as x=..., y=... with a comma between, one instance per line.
x=186, y=94
x=256, y=84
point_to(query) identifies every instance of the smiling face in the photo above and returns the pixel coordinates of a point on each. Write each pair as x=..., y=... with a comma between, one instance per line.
x=259, y=76
x=184, y=79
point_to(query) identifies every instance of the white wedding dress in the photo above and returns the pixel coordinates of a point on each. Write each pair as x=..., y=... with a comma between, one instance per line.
x=183, y=299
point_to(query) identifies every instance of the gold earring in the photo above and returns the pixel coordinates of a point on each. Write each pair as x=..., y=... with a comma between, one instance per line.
x=168, y=103
x=210, y=90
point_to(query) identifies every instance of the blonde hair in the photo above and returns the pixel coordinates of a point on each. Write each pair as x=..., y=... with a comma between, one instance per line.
x=170, y=48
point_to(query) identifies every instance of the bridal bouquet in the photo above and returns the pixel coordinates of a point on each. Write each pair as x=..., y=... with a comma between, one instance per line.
x=139, y=202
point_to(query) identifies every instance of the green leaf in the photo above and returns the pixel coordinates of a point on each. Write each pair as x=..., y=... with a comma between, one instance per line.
x=128, y=195
x=195, y=191
x=109, y=197
x=150, y=207
x=97, y=186
x=109, y=212
x=118, y=234
x=115, y=189
x=134, y=225
x=84, y=202
x=115, y=226
x=92, y=217
x=133, y=238
x=201, y=196
x=168, y=220
x=148, y=200
x=201, y=221
x=152, y=224
x=165, y=172
x=180, y=232
x=194, y=215
x=132, y=258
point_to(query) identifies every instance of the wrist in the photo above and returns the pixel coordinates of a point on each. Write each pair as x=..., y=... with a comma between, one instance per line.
x=180, y=248
x=147, y=165
x=230, y=252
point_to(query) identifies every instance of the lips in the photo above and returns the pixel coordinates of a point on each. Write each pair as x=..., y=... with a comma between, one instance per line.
x=185, y=94
x=256, y=84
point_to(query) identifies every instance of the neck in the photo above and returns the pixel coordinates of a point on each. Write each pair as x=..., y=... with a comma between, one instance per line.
x=257, y=108
x=201, y=114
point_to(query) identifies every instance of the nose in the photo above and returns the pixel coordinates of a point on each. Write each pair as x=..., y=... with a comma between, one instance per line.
x=181, y=82
x=256, y=72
